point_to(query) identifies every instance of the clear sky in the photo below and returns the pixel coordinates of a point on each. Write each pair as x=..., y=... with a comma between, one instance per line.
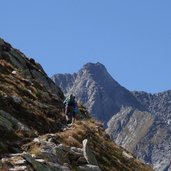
x=132, y=38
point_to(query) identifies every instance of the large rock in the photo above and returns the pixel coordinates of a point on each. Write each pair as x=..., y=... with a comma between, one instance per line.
x=88, y=154
x=10, y=123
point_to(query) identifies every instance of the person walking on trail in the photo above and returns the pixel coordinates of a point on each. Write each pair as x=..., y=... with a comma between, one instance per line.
x=70, y=107
x=75, y=111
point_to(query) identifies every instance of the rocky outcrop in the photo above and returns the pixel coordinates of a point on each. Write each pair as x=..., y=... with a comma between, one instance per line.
x=89, y=156
x=53, y=152
x=50, y=152
x=26, y=66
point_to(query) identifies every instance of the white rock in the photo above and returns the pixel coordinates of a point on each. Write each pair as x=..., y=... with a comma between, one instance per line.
x=36, y=140
x=40, y=160
x=17, y=168
x=125, y=154
x=19, y=162
x=14, y=72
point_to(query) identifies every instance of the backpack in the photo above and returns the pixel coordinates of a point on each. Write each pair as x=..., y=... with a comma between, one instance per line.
x=69, y=101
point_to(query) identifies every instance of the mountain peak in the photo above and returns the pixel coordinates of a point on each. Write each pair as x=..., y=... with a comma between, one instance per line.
x=98, y=91
x=97, y=64
x=92, y=67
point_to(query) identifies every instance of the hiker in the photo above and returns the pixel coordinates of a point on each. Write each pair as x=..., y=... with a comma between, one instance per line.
x=70, y=108
x=75, y=111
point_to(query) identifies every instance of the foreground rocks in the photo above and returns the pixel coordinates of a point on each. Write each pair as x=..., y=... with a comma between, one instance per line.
x=61, y=152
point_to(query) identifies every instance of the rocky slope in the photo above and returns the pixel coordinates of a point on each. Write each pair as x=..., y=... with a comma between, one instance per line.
x=34, y=135
x=138, y=121
x=145, y=132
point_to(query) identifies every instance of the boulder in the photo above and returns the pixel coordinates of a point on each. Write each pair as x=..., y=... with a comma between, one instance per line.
x=88, y=154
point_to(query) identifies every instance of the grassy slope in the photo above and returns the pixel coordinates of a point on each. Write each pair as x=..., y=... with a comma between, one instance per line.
x=109, y=155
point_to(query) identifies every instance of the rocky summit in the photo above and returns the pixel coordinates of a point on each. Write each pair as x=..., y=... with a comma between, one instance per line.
x=138, y=121
x=34, y=133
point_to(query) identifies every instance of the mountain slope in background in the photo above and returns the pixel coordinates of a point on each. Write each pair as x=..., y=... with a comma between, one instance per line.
x=138, y=121
x=34, y=134
x=97, y=90
x=146, y=133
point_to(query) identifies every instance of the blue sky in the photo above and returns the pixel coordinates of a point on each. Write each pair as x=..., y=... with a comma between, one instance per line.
x=131, y=38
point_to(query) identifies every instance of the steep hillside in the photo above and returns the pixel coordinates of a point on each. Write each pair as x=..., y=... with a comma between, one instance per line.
x=97, y=90
x=34, y=134
x=144, y=134
x=30, y=103
x=131, y=126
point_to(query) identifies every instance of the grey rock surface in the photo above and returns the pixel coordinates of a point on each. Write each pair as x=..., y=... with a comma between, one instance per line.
x=28, y=67
x=146, y=133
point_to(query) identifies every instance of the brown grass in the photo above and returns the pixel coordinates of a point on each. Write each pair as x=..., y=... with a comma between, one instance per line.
x=108, y=154
x=5, y=168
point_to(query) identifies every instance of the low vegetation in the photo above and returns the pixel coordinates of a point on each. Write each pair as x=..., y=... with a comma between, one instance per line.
x=108, y=154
